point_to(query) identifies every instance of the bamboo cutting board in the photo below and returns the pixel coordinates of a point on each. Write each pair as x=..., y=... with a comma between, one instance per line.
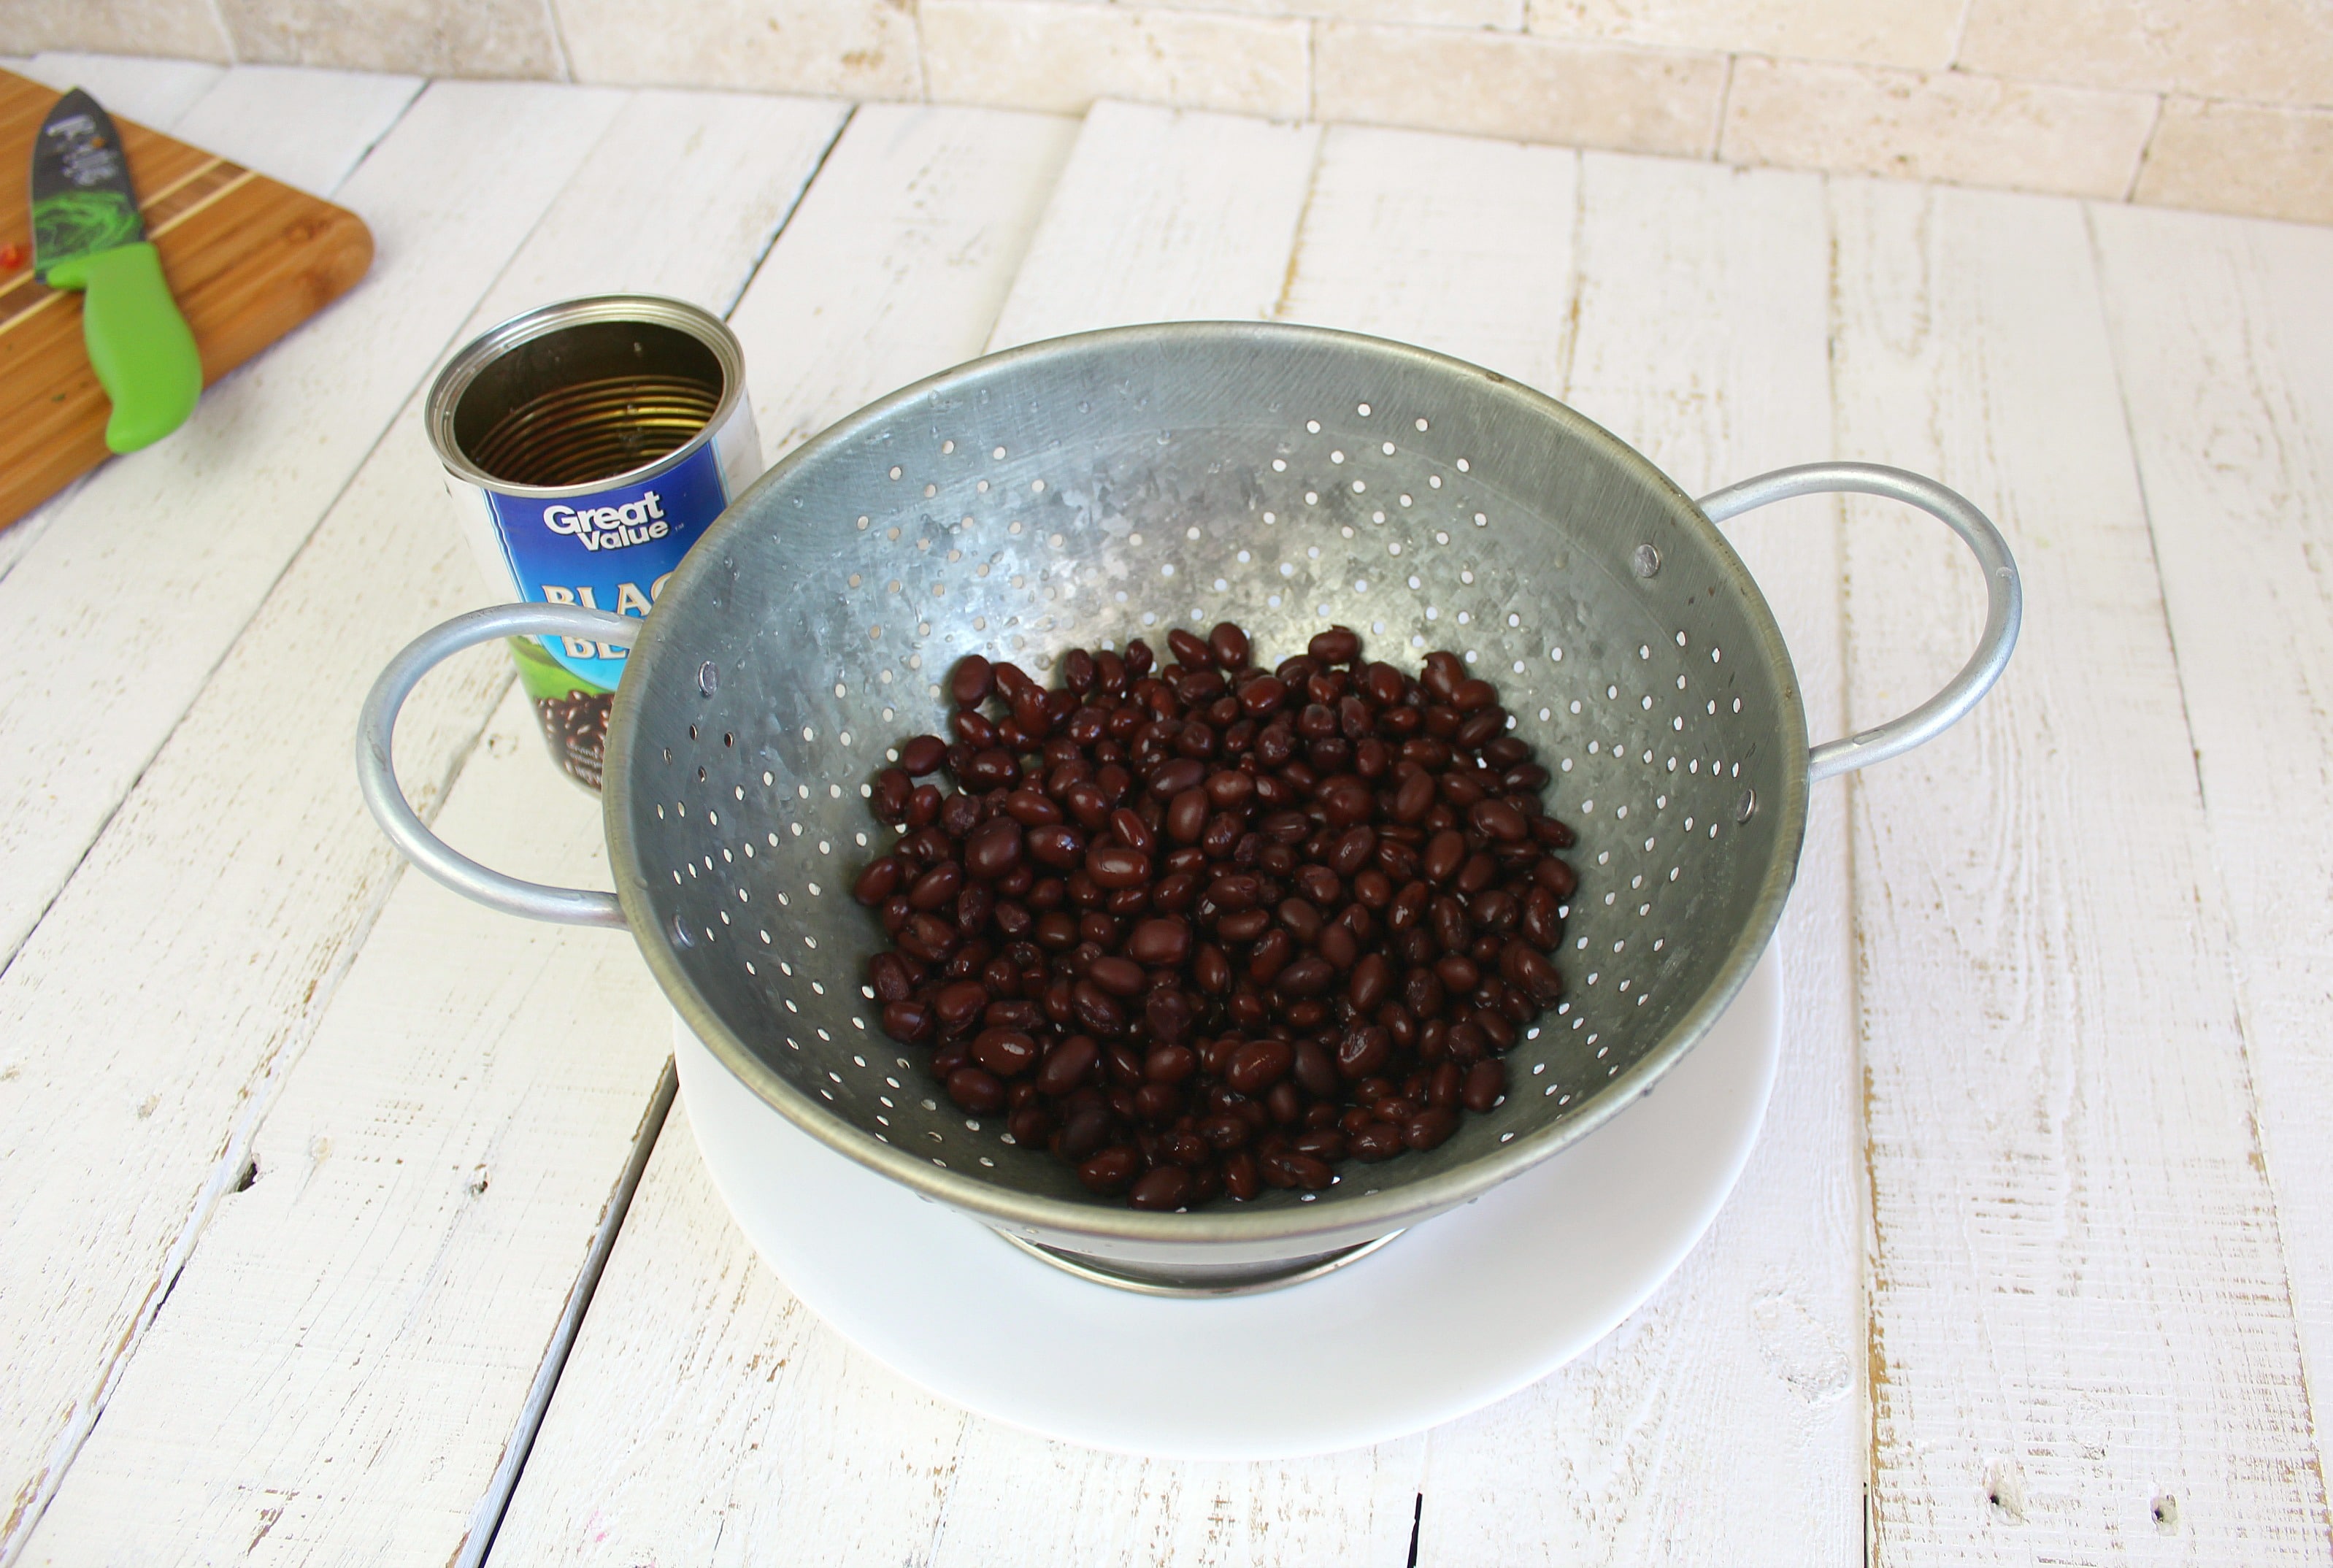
x=247, y=257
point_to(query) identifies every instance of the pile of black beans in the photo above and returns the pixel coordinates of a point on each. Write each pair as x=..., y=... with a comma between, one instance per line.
x=576, y=725
x=1208, y=928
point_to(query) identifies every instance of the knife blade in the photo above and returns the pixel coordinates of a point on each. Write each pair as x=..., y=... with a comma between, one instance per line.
x=87, y=235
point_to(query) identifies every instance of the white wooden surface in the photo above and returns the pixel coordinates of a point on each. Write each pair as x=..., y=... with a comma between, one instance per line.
x=2082, y=1340
x=308, y=129
x=154, y=92
x=204, y=1460
x=898, y=262
x=121, y=1104
x=2225, y=350
x=1167, y=216
x=128, y=601
x=2036, y=1243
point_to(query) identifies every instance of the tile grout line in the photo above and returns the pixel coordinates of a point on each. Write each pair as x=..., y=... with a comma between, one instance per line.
x=1960, y=37
x=559, y=49
x=1724, y=106
x=487, y=1518
x=212, y=9
x=2138, y=171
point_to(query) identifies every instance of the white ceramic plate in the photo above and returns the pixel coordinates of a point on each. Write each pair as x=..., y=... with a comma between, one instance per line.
x=1459, y=1312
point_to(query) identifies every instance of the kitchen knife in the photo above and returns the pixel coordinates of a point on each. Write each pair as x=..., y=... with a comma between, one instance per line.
x=87, y=235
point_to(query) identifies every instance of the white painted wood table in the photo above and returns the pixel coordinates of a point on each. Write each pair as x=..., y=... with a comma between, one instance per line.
x=308, y=1168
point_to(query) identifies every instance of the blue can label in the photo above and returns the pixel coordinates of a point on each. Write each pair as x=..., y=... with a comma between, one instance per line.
x=612, y=550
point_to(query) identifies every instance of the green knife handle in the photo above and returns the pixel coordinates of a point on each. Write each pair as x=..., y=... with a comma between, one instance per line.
x=138, y=343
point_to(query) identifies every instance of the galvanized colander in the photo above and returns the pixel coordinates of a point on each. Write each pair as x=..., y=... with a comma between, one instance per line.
x=1095, y=488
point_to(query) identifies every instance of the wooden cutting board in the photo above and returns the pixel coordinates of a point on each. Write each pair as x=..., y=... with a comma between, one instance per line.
x=247, y=257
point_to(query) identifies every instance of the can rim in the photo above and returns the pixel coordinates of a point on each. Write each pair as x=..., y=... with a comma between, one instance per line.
x=654, y=309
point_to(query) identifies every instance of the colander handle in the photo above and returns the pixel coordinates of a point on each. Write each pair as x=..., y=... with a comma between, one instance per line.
x=2004, y=596
x=378, y=777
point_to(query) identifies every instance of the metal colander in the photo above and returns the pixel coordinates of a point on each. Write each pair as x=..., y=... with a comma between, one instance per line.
x=1091, y=489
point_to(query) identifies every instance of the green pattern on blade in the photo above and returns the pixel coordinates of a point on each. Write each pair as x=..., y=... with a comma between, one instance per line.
x=76, y=222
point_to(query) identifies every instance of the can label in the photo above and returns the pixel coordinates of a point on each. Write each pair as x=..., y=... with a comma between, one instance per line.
x=612, y=550
x=588, y=445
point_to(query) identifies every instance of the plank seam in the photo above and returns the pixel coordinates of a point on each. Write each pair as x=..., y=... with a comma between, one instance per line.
x=385, y=133
x=785, y=220
x=487, y=1520
x=1572, y=283
x=1303, y=224
x=1874, y=1357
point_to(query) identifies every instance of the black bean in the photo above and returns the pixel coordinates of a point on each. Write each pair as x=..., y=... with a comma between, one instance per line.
x=976, y=1091
x=1111, y=1169
x=1430, y=1127
x=1337, y=645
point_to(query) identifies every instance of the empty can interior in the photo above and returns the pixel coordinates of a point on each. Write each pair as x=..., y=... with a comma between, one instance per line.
x=586, y=402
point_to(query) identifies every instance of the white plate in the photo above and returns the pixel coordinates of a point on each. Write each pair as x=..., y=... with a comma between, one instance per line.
x=1460, y=1311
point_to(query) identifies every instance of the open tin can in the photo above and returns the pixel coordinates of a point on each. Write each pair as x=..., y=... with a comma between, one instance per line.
x=587, y=445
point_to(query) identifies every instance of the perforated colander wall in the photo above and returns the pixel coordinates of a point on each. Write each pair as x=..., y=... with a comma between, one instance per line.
x=1083, y=494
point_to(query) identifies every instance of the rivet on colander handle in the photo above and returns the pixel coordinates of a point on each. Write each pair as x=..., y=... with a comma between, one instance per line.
x=2004, y=596
x=378, y=777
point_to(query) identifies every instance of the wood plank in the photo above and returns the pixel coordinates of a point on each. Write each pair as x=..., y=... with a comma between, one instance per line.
x=340, y=1362
x=127, y=602
x=1452, y=243
x=1703, y=320
x=305, y=127
x=2225, y=351
x=154, y=92
x=1353, y=1507
x=898, y=262
x=17, y=538
x=363, y=1288
x=705, y=1415
x=1194, y=215
x=100, y=1203
x=721, y=171
x=2082, y=1341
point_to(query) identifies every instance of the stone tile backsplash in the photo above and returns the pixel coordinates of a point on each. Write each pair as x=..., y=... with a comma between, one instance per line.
x=2225, y=105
